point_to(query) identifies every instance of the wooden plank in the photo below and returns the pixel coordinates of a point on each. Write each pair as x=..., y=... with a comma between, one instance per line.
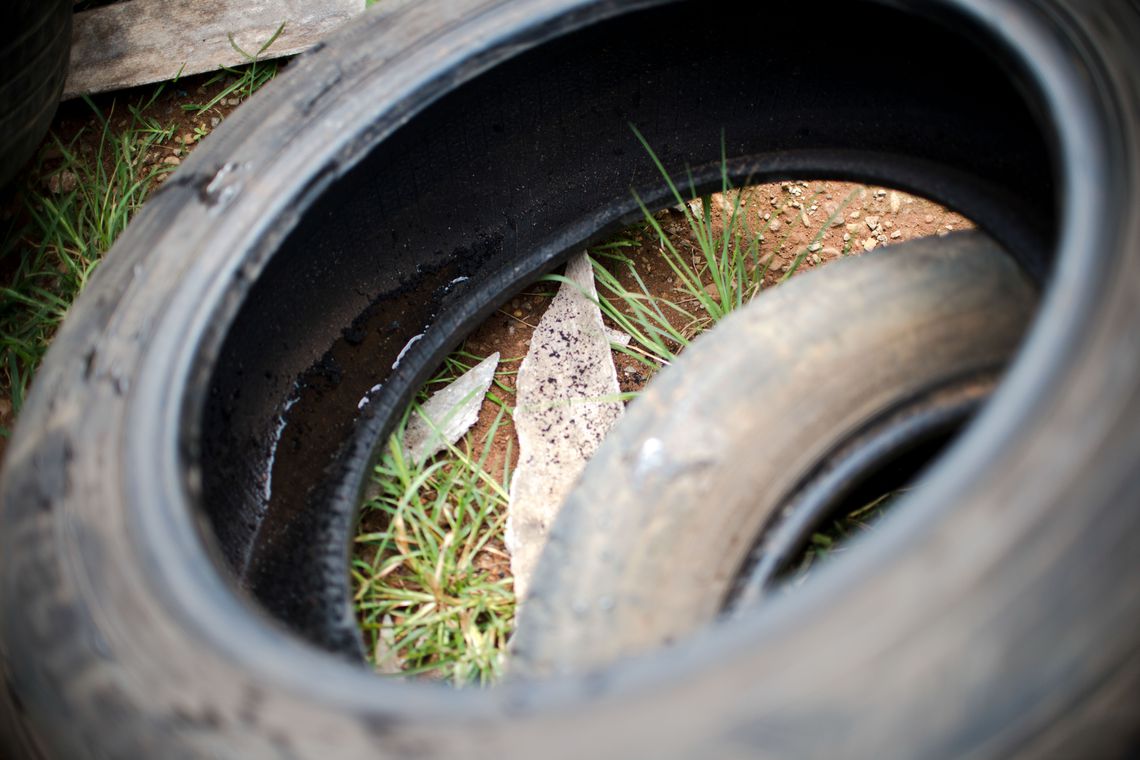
x=143, y=41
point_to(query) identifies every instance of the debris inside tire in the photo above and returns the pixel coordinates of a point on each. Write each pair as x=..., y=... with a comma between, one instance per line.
x=567, y=401
x=450, y=412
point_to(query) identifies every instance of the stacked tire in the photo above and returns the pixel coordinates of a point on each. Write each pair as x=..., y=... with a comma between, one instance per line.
x=388, y=193
x=36, y=40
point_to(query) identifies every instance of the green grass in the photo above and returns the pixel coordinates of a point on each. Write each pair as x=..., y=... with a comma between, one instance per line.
x=66, y=233
x=241, y=81
x=726, y=271
x=76, y=204
x=829, y=541
x=427, y=596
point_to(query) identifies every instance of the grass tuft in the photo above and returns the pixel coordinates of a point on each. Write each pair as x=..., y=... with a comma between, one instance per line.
x=245, y=79
x=832, y=539
x=89, y=199
x=73, y=207
x=723, y=271
x=430, y=594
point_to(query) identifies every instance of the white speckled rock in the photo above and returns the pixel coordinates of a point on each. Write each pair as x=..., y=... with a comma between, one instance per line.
x=450, y=412
x=567, y=391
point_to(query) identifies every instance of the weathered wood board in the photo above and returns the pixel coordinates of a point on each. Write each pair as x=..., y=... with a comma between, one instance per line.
x=143, y=41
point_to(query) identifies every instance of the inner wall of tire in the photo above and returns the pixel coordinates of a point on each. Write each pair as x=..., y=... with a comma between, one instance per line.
x=500, y=179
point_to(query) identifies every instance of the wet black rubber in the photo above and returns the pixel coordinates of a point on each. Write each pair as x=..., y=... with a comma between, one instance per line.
x=173, y=561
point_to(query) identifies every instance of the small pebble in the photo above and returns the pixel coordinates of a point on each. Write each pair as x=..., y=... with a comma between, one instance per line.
x=896, y=234
x=833, y=213
x=62, y=182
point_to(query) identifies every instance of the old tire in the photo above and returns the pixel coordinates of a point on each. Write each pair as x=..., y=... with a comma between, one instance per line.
x=155, y=598
x=664, y=517
x=34, y=48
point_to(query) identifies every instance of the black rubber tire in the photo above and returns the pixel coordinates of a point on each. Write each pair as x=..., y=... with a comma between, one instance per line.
x=153, y=600
x=715, y=447
x=34, y=47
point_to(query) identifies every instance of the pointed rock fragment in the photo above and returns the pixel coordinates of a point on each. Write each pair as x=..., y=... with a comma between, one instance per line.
x=450, y=412
x=567, y=402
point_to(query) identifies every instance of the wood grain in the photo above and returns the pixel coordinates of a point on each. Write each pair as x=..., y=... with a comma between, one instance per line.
x=143, y=41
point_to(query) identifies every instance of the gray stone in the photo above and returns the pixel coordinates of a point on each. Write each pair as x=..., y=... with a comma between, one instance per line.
x=567, y=402
x=450, y=412
x=618, y=337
